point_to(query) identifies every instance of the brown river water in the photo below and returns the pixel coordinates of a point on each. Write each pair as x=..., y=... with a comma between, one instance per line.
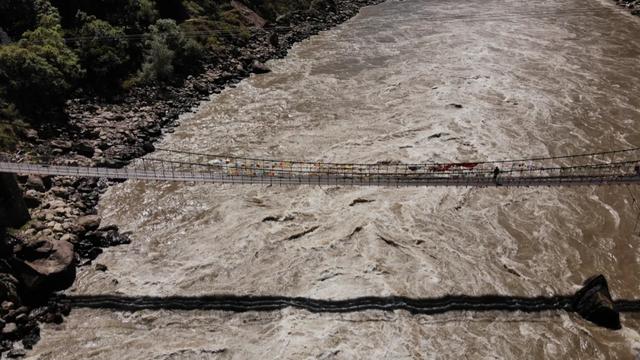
x=533, y=77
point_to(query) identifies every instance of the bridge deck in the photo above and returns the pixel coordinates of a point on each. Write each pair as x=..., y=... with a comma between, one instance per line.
x=605, y=175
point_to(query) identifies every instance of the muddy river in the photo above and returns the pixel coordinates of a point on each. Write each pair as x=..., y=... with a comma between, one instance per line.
x=533, y=78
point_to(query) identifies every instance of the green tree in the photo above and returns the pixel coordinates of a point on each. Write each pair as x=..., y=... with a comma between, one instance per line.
x=168, y=50
x=158, y=63
x=37, y=74
x=48, y=15
x=103, y=52
x=145, y=13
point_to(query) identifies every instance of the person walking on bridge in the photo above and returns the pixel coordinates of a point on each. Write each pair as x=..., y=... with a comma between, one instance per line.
x=496, y=172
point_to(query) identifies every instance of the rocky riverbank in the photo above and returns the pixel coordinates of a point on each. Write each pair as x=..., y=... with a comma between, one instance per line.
x=64, y=231
x=632, y=5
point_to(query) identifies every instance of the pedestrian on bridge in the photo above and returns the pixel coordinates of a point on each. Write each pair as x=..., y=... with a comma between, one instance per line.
x=496, y=172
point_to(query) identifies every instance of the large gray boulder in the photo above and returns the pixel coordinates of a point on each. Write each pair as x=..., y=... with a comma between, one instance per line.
x=36, y=183
x=44, y=266
x=89, y=222
x=259, y=68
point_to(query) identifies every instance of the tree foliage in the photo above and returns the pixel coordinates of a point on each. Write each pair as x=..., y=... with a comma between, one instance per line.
x=158, y=63
x=40, y=69
x=47, y=15
x=96, y=43
x=168, y=50
x=104, y=53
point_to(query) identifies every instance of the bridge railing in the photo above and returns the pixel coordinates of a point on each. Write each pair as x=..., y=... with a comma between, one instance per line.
x=390, y=172
x=596, y=164
x=181, y=165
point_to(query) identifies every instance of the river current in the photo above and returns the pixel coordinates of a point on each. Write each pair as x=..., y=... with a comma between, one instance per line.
x=533, y=78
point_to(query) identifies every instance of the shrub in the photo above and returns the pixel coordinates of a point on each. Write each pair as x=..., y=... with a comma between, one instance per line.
x=103, y=52
x=37, y=73
x=168, y=50
x=48, y=16
x=158, y=64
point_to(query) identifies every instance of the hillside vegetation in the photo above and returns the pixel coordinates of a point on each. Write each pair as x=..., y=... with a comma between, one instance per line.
x=53, y=50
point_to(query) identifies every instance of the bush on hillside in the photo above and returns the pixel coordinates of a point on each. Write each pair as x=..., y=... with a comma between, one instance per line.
x=39, y=70
x=104, y=53
x=47, y=15
x=167, y=51
x=158, y=64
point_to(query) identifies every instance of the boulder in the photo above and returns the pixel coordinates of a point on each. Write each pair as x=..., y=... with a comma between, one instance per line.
x=274, y=40
x=89, y=222
x=9, y=329
x=8, y=290
x=45, y=266
x=72, y=238
x=60, y=191
x=31, y=338
x=38, y=225
x=31, y=199
x=31, y=135
x=101, y=267
x=7, y=305
x=61, y=144
x=148, y=147
x=259, y=68
x=84, y=148
x=593, y=302
x=36, y=183
x=58, y=228
x=21, y=318
x=201, y=88
x=285, y=19
x=16, y=353
x=110, y=163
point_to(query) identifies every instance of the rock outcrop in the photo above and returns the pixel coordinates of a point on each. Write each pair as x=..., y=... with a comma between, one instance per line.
x=89, y=222
x=593, y=302
x=45, y=266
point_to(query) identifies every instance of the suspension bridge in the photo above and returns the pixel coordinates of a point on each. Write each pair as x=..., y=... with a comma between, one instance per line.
x=602, y=168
